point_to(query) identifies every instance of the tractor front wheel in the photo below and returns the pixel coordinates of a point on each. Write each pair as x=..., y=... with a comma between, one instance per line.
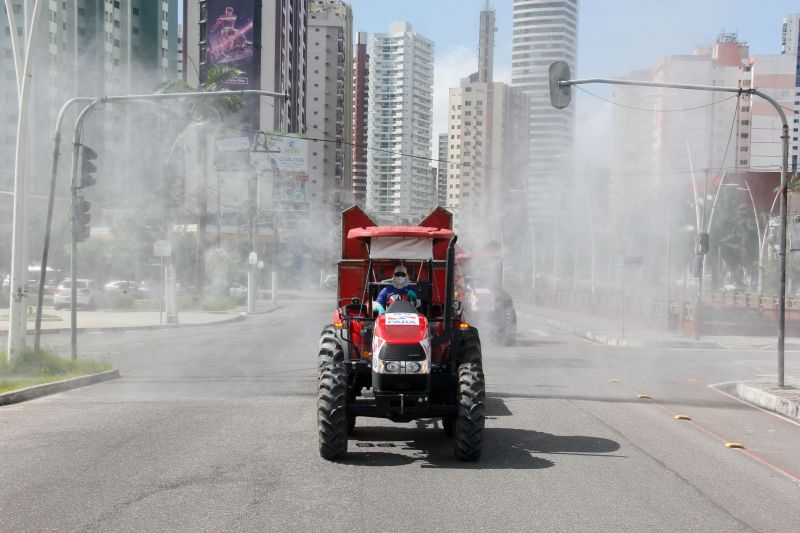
x=469, y=422
x=332, y=420
x=330, y=350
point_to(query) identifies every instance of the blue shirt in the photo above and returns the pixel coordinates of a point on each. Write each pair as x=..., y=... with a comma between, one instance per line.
x=408, y=291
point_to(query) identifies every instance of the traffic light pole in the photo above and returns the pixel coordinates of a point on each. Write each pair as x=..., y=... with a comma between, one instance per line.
x=92, y=102
x=73, y=256
x=561, y=96
x=49, y=220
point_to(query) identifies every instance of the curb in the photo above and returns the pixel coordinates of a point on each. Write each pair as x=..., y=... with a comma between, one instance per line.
x=236, y=318
x=37, y=391
x=271, y=309
x=762, y=397
x=620, y=342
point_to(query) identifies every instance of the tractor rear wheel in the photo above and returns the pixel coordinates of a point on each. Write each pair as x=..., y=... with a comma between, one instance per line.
x=510, y=326
x=469, y=423
x=447, y=426
x=469, y=347
x=332, y=421
x=330, y=349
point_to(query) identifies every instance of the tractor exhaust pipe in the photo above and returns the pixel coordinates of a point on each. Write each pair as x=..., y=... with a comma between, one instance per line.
x=450, y=266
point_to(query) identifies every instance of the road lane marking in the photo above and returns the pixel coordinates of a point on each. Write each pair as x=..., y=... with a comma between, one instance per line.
x=737, y=445
x=786, y=473
x=643, y=397
x=681, y=417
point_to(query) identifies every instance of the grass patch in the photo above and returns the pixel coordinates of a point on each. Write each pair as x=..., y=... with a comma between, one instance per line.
x=44, y=366
x=32, y=316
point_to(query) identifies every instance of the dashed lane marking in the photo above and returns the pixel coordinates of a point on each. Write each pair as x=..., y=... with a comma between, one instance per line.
x=784, y=472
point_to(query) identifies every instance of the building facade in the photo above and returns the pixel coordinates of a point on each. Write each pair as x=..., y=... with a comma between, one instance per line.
x=360, y=119
x=399, y=186
x=441, y=175
x=85, y=48
x=543, y=32
x=790, y=34
x=487, y=155
x=329, y=111
x=282, y=67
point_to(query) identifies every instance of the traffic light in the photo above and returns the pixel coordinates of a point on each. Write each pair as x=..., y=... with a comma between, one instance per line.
x=701, y=243
x=87, y=167
x=83, y=218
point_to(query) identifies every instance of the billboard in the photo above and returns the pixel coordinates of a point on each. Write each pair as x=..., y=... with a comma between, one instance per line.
x=231, y=27
x=283, y=159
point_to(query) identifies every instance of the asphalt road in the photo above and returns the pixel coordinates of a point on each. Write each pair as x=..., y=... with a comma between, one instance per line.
x=214, y=428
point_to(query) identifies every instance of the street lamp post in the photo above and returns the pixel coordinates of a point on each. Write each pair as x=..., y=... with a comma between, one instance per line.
x=561, y=96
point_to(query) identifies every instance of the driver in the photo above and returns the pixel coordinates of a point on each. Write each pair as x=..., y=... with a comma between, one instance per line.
x=399, y=289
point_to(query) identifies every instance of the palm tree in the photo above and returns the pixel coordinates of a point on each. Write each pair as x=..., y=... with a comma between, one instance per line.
x=735, y=236
x=209, y=112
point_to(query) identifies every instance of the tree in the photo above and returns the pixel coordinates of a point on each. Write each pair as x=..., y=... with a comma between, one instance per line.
x=207, y=113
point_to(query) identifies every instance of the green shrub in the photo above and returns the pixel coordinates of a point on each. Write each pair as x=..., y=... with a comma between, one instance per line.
x=46, y=363
x=119, y=301
x=218, y=303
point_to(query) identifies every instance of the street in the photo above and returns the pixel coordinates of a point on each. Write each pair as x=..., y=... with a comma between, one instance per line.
x=214, y=428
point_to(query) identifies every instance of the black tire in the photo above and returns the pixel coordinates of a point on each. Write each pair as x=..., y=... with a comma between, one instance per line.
x=469, y=423
x=469, y=347
x=330, y=350
x=447, y=426
x=510, y=327
x=332, y=421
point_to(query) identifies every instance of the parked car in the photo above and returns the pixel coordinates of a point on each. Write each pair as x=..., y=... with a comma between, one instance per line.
x=135, y=289
x=237, y=291
x=330, y=281
x=89, y=294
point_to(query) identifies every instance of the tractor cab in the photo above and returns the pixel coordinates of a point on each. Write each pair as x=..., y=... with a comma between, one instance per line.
x=403, y=363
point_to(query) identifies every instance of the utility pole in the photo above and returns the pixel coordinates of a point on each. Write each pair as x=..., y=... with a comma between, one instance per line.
x=18, y=312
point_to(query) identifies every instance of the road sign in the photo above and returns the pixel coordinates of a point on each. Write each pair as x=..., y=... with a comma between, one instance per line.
x=162, y=248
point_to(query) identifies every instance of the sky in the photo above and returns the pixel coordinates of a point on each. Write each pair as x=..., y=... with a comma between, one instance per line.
x=614, y=37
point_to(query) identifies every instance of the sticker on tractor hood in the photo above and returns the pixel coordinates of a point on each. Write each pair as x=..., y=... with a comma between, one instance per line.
x=402, y=319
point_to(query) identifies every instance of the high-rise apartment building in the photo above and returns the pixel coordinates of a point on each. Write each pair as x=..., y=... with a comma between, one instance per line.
x=360, y=119
x=399, y=187
x=88, y=49
x=790, y=47
x=329, y=107
x=486, y=147
x=282, y=66
x=487, y=157
x=441, y=175
x=543, y=32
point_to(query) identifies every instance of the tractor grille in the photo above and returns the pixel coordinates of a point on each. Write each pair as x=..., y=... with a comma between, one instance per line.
x=402, y=352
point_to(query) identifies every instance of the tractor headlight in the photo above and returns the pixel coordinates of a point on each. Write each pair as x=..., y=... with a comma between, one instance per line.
x=400, y=367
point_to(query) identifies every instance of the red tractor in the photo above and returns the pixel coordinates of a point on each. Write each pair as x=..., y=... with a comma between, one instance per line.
x=486, y=300
x=418, y=359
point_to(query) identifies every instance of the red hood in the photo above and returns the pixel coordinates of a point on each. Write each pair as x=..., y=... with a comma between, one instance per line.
x=401, y=328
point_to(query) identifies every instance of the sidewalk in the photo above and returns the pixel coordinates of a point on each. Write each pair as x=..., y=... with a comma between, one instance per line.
x=606, y=330
x=762, y=392
x=59, y=321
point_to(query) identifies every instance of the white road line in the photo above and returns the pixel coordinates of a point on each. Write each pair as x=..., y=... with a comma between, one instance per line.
x=760, y=350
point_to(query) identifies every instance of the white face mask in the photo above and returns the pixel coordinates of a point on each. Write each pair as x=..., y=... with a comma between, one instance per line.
x=400, y=281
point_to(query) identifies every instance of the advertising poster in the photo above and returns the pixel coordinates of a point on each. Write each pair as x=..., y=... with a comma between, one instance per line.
x=285, y=160
x=230, y=39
